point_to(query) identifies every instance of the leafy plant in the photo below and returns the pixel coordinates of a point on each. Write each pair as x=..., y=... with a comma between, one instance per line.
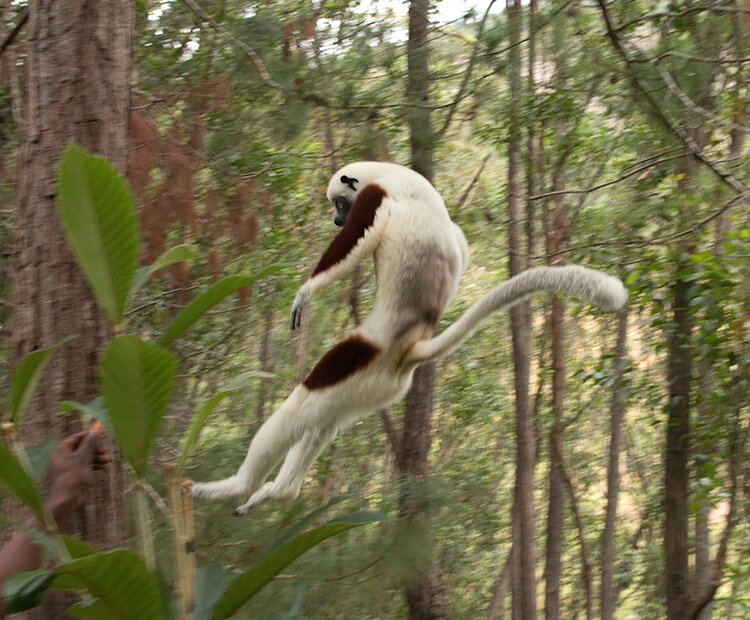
x=137, y=379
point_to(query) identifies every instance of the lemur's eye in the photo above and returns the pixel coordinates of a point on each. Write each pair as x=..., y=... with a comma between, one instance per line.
x=337, y=203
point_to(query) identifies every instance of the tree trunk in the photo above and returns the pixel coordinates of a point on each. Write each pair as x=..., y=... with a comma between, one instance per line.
x=555, y=244
x=499, y=592
x=679, y=377
x=556, y=505
x=77, y=78
x=524, y=562
x=608, y=602
x=266, y=364
x=425, y=593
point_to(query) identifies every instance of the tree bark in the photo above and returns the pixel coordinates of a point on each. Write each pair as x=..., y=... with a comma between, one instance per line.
x=556, y=231
x=425, y=593
x=679, y=378
x=266, y=364
x=608, y=600
x=524, y=545
x=78, y=67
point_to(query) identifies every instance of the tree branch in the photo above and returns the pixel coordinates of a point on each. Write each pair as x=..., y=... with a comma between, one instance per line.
x=674, y=129
x=467, y=73
x=22, y=19
x=202, y=16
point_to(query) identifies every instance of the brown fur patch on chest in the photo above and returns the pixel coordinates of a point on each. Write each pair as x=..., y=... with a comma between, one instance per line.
x=360, y=218
x=346, y=358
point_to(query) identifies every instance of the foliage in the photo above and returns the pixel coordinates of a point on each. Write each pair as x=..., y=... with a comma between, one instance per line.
x=228, y=171
x=137, y=378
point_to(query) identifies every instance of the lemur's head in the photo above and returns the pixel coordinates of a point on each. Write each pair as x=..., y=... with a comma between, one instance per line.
x=342, y=192
x=346, y=184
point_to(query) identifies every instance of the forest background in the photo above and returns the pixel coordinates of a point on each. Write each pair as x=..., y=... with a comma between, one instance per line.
x=563, y=463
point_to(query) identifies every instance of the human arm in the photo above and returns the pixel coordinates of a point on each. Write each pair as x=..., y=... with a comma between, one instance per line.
x=69, y=474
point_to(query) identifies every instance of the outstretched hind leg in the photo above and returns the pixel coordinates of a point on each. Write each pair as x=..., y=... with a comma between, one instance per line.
x=270, y=444
x=292, y=474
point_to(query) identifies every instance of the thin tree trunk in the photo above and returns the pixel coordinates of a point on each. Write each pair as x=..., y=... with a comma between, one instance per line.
x=425, y=593
x=500, y=591
x=556, y=505
x=679, y=376
x=556, y=231
x=266, y=364
x=608, y=602
x=74, y=91
x=524, y=546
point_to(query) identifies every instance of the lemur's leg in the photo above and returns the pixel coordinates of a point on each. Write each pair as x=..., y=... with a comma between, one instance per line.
x=292, y=474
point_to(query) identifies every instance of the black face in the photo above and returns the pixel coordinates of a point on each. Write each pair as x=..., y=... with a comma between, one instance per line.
x=342, y=206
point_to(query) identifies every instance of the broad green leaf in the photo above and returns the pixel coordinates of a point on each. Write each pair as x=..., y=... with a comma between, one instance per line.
x=97, y=212
x=207, y=300
x=15, y=480
x=172, y=255
x=197, y=425
x=78, y=548
x=300, y=525
x=95, y=409
x=119, y=582
x=199, y=421
x=23, y=591
x=26, y=378
x=137, y=380
x=39, y=455
x=242, y=588
x=210, y=583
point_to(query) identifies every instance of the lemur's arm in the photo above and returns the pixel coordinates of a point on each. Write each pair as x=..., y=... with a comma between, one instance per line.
x=358, y=239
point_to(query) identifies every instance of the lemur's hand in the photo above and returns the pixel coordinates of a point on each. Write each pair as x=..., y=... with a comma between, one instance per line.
x=299, y=302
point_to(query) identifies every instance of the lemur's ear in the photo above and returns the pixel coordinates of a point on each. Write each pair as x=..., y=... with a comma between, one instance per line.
x=349, y=181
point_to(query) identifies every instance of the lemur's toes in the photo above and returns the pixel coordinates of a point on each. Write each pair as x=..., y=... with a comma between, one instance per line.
x=240, y=511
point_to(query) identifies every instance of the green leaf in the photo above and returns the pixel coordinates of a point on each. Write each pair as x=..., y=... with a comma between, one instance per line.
x=242, y=588
x=173, y=255
x=78, y=548
x=27, y=376
x=207, y=300
x=119, y=582
x=39, y=455
x=23, y=591
x=210, y=583
x=99, y=219
x=199, y=421
x=95, y=409
x=137, y=380
x=15, y=480
x=197, y=425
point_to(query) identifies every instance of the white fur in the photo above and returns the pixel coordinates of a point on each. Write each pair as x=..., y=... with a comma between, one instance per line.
x=420, y=256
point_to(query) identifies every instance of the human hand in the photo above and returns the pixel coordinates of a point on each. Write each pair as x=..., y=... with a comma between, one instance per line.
x=70, y=472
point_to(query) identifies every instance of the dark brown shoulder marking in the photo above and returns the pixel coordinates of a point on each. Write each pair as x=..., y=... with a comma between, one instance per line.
x=360, y=218
x=346, y=358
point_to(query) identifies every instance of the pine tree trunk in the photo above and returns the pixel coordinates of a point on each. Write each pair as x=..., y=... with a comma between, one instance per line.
x=524, y=562
x=266, y=364
x=679, y=376
x=608, y=602
x=556, y=492
x=74, y=91
x=679, y=384
x=556, y=231
x=425, y=593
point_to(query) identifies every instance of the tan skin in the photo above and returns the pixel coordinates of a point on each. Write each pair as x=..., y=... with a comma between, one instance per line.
x=69, y=474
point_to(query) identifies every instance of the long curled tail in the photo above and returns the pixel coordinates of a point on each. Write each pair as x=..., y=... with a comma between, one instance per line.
x=605, y=291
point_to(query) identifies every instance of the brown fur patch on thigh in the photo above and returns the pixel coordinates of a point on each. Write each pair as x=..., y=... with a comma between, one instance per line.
x=346, y=358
